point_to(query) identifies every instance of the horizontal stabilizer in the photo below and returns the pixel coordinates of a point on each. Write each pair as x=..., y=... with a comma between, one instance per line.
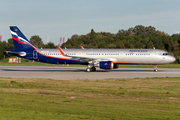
x=16, y=53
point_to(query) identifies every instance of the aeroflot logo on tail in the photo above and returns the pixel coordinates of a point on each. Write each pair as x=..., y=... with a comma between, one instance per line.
x=15, y=29
x=138, y=50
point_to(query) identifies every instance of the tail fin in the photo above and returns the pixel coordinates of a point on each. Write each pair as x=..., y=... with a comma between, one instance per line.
x=20, y=41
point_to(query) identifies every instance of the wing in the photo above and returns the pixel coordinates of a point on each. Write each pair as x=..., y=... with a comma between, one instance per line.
x=85, y=59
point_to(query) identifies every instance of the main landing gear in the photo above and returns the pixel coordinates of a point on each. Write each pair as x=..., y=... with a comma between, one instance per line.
x=155, y=68
x=90, y=69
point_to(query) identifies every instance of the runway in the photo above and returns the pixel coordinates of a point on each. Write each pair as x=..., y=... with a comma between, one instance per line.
x=65, y=73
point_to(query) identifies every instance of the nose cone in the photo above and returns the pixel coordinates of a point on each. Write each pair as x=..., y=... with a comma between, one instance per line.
x=171, y=59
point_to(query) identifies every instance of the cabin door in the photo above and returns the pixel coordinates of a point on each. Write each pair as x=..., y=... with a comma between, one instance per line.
x=121, y=56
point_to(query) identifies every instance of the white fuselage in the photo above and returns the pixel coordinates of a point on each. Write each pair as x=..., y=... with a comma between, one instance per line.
x=119, y=56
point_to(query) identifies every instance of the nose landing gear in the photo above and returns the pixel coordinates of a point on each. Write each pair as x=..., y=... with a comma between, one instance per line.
x=155, y=68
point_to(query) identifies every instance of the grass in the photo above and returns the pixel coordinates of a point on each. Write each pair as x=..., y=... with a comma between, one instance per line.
x=25, y=62
x=152, y=66
x=39, y=64
x=110, y=99
x=76, y=65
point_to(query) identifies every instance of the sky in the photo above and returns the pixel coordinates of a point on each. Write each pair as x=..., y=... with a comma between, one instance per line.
x=52, y=19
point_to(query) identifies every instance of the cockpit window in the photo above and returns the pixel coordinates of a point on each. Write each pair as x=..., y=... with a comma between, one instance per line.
x=166, y=54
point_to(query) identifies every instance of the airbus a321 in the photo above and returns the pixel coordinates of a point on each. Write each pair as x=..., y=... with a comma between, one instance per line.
x=102, y=58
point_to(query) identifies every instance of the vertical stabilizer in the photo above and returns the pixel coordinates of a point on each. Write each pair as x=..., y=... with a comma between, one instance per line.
x=20, y=41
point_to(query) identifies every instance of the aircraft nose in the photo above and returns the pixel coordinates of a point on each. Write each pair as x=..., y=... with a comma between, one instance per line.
x=172, y=59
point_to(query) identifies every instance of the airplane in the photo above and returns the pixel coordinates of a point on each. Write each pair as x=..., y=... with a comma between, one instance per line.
x=103, y=58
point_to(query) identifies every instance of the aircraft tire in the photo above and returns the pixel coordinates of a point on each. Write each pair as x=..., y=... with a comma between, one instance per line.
x=88, y=70
x=93, y=69
x=155, y=70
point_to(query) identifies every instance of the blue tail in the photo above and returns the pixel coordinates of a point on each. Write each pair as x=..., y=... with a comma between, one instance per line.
x=20, y=41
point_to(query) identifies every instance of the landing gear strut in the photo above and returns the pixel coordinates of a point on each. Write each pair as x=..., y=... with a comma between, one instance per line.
x=155, y=68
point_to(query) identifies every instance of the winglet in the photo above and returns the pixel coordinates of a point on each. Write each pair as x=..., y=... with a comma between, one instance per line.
x=61, y=51
x=82, y=47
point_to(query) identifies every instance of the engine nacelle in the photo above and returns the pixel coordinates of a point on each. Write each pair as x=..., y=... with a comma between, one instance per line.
x=106, y=65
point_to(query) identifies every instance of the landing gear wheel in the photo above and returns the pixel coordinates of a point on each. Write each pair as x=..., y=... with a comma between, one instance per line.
x=93, y=69
x=88, y=70
x=155, y=70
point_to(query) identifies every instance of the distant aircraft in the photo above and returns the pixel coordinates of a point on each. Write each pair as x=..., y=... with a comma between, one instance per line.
x=102, y=58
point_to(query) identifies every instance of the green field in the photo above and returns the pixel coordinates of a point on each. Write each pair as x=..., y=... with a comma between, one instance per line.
x=76, y=65
x=110, y=99
x=72, y=65
x=37, y=64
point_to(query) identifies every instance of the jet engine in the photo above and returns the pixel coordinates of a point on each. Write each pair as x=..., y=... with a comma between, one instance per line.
x=106, y=64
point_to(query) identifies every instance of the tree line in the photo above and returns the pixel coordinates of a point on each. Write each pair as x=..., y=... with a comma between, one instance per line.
x=135, y=37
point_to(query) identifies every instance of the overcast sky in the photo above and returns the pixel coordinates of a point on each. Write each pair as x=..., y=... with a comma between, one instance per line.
x=63, y=18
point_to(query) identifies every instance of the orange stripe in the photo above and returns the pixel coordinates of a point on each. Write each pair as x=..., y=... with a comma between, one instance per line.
x=111, y=64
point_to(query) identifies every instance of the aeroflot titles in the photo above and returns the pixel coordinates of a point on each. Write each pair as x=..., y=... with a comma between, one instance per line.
x=138, y=50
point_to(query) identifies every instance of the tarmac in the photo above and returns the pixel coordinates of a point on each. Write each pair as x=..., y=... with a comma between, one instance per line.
x=66, y=73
